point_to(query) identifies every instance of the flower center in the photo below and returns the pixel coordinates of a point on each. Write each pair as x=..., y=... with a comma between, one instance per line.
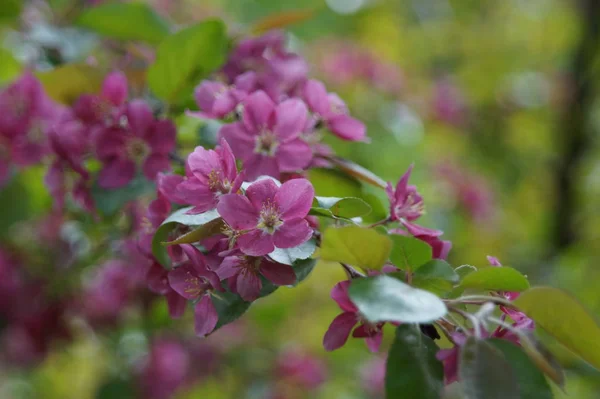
x=137, y=149
x=270, y=217
x=250, y=264
x=196, y=286
x=411, y=208
x=266, y=143
x=218, y=184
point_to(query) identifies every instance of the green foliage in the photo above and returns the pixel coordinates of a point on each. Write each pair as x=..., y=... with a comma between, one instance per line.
x=185, y=58
x=10, y=68
x=10, y=10
x=384, y=298
x=496, y=279
x=179, y=217
x=115, y=389
x=408, y=253
x=412, y=370
x=208, y=229
x=125, y=21
x=436, y=276
x=563, y=317
x=342, y=208
x=531, y=381
x=333, y=183
x=485, y=373
x=357, y=246
x=109, y=202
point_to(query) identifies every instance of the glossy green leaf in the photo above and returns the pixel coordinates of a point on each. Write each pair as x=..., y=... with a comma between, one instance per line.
x=485, y=373
x=334, y=207
x=109, y=202
x=288, y=256
x=412, y=370
x=463, y=270
x=384, y=298
x=229, y=307
x=179, y=217
x=303, y=268
x=185, y=58
x=496, y=279
x=435, y=276
x=125, y=21
x=356, y=246
x=563, y=317
x=531, y=381
x=409, y=253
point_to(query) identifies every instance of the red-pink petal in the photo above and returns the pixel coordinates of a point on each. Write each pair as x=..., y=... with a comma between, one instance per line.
x=278, y=273
x=339, y=294
x=259, y=165
x=155, y=164
x=294, y=155
x=241, y=141
x=176, y=304
x=229, y=267
x=347, y=128
x=227, y=160
x=295, y=198
x=248, y=286
x=161, y=137
x=316, y=97
x=237, y=211
x=290, y=119
x=339, y=331
x=261, y=192
x=292, y=233
x=258, y=108
x=185, y=282
x=374, y=342
x=139, y=117
x=205, y=316
x=202, y=162
x=256, y=243
x=114, y=88
x=116, y=173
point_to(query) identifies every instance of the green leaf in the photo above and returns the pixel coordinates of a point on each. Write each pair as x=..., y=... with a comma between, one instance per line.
x=412, y=370
x=67, y=82
x=290, y=255
x=532, y=383
x=408, y=253
x=10, y=10
x=185, y=58
x=384, y=298
x=435, y=276
x=109, y=202
x=333, y=183
x=356, y=246
x=302, y=268
x=10, y=68
x=563, y=317
x=208, y=229
x=543, y=358
x=464, y=270
x=496, y=279
x=178, y=217
x=115, y=389
x=229, y=307
x=485, y=373
x=125, y=21
x=334, y=207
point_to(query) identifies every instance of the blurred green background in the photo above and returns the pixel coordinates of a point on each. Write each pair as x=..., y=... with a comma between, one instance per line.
x=495, y=102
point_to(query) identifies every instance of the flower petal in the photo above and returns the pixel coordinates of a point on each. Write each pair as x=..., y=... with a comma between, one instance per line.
x=176, y=304
x=155, y=164
x=294, y=155
x=339, y=294
x=295, y=198
x=374, y=342
x=114, y=88
x=139, y=117
x=259, y=165
x=292, y=233
x=116, y=173
x=339, y=330
x=241, y=141
x=202, y=162
x=261, y=192
x=347, y=128
x=316, y=97
x=161, y=137
x=237, y=211
x=256, y=243
x=205, y=316
x=248, y=286
x=290, y=119
x=229, y=267
x=258, y=108
x=227, y=160
x=185, y=282
x=278, y=273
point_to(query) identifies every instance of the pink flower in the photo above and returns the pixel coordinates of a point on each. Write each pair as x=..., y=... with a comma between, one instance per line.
x=106, y=108
x=296, y=367
x=269, y=216
x=165, y=369
x=216, y=99
x=340, y=328
x=213, y=174
x=373, y=377
x=450, y=357
x=144, y=141
x=243, y=273
x=193, y=280
x=268, y=139
x=158, y=282
x=405, y=202
x=330, y=109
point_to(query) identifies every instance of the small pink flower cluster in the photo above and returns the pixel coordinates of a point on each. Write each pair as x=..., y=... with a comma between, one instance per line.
x=406, y=206
x=276, y=112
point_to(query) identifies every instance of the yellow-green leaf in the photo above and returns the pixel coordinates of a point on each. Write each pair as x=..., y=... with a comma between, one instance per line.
x=66, y=83
x=563, y=317
x=357, y=246
x=496, y=279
